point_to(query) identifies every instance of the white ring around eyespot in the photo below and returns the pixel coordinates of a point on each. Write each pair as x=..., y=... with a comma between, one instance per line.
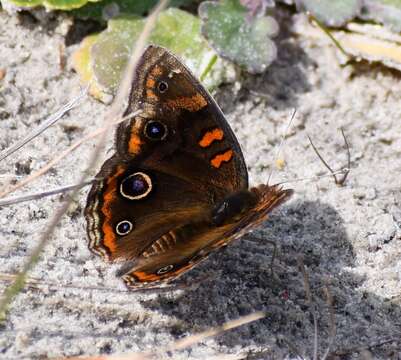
x=127, y=232
x=141, y=196
x=164, y=269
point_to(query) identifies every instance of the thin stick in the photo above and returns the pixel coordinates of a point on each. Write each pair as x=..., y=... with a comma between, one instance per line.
x=282, y=143
x=29, y=197
x=328, y=33
x=19, y=282
x=182, y=343
x=46, y=124
x=345, y=174
x=332, y=322
x=341, y=171
x=61, y=156
x=308, y=294
x=191, y=340
x=209, y=67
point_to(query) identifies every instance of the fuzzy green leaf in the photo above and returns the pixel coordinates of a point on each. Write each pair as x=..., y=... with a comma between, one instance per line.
x=235, y=36
x=50, y=4
x=331, y=12
x=102, y=10
x=175, y=29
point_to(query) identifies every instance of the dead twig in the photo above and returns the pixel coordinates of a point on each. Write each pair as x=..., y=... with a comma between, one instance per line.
x=51, y=120
x=182, y=343
x=345, y=171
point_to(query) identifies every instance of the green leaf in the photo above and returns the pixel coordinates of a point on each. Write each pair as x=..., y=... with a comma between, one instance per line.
x=332, y=12
x=175, y=29
x=235, y=36
x=50, y=4
x=100, y=11
x=387, y=12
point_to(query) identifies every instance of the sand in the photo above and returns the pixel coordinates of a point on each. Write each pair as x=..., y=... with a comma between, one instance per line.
x=349, y=236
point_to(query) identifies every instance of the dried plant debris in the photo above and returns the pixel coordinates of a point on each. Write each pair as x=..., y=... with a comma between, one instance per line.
x=236, y=36
x=102, y=58
x=387, y=12
x=373, y=43
x=338, y=13
x=332, y=13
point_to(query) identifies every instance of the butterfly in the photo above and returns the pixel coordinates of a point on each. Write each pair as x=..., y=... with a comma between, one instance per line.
x=176, y=188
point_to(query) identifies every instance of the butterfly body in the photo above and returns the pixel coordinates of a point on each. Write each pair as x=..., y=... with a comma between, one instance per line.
x=177, y=187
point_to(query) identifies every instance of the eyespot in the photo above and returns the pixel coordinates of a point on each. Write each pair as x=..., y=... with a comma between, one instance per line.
x=136, y=186
x=162, y=86
x=164, y=269
x=124, y=227
x=155, y=130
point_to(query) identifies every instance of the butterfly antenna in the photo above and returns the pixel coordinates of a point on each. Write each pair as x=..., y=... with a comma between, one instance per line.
x=345, y=171
x=279, y=148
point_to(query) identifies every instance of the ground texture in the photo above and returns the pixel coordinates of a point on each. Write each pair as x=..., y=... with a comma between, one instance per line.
x=349, y=237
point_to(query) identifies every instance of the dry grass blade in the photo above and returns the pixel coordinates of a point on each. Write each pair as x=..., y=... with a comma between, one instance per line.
x=61, y=156
x=332, y=322
x=280, y=146
x=19, y=282
x=39, y=284
x=345, y=171
x=328, y=33
x=29, y=197
x=183, y=343
x=309, y=299
x=46, y=124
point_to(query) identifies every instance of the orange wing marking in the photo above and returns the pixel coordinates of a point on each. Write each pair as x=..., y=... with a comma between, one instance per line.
x=213, y=135
x=134, y=145
x=150, y=83
x=220, y=158
x=145, y=277
x=151, y=95
x=109, y=239
x=190, y=103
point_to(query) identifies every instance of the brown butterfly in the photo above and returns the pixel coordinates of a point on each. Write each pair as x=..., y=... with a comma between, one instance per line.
x=177, y=187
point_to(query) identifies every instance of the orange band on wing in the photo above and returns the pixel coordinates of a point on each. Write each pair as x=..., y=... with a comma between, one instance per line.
x=134, y=144
x=150, y=83
x=213, y=135
x=220, y=158
x=190, y=103
x=151, y=95
x=145, y=277
x=109, y=239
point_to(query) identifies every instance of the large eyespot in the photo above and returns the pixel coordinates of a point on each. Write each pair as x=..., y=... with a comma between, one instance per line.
x=124, y=227
x=136, y=186
x=155, y=130
x=162, y=86
x=164, y=269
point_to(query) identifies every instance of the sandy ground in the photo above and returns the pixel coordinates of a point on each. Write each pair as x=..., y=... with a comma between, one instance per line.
x=349, y=236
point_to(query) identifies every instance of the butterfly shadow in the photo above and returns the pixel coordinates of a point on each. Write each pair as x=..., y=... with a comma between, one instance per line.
x=239, y=281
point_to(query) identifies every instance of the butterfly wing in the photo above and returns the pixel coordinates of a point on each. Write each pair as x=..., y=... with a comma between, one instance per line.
x=173, y=162
x=159, y=265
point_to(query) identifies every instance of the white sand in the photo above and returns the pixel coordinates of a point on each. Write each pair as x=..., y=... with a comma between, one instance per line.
x=349, y=235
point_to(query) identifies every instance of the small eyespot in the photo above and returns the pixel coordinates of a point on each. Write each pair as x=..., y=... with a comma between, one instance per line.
x=165, y=269
x=136, y=186
x=162, y=86
x=155, y=130
x=124, y=227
